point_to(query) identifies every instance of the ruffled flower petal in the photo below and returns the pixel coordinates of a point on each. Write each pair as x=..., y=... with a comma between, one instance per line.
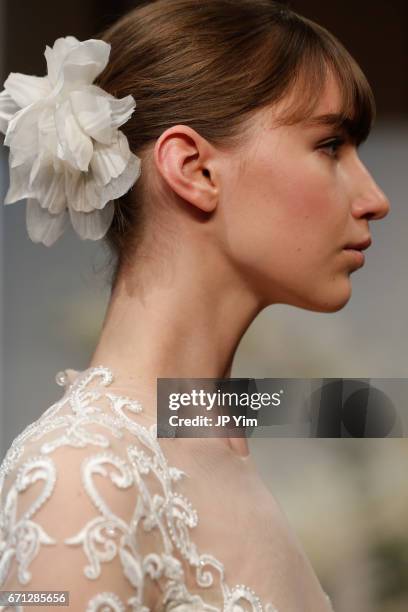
x=93, y=114
x=92, y=225
x=75, y=147
x=56, y=55
x=121, y=185
x=83, y=195
x=47, y=133
x=109, y=162
x=121, y=108
x=42, y=226
x=25, y=89
x=49, y=186
x=80, y=65
x=19, y=188
x=35, y=168
x=8, y=108
x=22, y=134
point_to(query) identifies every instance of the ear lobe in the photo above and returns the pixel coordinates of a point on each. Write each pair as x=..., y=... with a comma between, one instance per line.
x=181, y=157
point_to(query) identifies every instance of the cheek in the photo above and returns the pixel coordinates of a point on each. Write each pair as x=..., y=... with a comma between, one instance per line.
x=304, y=193
x=288, y=209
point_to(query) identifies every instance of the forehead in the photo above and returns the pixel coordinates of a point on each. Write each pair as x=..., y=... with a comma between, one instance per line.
x=327, y=109
x=328, y=102
x=330, y=99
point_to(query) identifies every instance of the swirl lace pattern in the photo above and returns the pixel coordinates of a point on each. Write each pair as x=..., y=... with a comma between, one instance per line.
x=167, y=512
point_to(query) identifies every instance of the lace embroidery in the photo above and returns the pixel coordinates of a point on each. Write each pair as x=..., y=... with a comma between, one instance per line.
x=168, y=513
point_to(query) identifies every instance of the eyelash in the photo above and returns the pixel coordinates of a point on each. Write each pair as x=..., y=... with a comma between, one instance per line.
x=334, y=142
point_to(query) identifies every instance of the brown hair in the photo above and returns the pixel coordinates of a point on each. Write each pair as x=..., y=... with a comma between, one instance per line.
x=211, y=65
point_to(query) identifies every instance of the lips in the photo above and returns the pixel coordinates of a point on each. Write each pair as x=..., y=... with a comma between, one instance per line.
x=360, y=246
x=355, y=249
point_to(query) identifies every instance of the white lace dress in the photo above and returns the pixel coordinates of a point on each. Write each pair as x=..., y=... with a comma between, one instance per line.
x=91, y=503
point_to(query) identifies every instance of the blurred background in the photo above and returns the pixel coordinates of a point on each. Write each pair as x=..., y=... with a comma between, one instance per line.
x=347, y=499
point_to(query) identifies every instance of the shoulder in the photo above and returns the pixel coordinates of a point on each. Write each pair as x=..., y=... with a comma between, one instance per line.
x=66, y=524
x=74, y=505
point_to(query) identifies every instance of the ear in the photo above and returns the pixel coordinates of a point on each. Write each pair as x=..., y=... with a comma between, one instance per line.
x=184, y=160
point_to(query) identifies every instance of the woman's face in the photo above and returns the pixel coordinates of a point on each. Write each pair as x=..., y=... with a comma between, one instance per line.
x=292, y=206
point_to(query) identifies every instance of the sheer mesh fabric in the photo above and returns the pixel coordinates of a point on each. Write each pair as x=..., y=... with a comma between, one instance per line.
x=91, y=502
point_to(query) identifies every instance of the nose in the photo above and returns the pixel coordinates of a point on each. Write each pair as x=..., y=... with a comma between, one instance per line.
x=370, y=202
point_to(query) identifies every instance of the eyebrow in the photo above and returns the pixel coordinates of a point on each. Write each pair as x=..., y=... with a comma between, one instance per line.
x=330, y=119
x=337, y=120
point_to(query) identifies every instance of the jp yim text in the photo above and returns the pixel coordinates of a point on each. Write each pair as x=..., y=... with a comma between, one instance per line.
x=205, y=421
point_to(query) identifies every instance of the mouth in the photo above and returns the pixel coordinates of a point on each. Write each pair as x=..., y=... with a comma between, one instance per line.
x=356, y=250
x=359, y=246
x=358, y=257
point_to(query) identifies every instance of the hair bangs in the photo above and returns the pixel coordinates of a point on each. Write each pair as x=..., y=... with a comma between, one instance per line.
x=358, y=104
x=319, y=54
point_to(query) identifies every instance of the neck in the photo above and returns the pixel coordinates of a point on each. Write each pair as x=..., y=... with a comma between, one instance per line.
x=186, y=322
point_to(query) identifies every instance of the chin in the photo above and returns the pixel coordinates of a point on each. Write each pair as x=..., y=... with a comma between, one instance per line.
x=329, y=300
x=334, y=302
x=334, y=307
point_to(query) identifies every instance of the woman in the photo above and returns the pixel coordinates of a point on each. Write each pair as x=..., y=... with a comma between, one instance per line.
x=247, y=123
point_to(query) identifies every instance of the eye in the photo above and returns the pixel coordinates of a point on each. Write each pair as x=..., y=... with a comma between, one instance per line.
x=332, y=146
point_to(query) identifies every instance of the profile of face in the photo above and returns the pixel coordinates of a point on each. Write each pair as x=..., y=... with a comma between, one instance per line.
x=288, y=206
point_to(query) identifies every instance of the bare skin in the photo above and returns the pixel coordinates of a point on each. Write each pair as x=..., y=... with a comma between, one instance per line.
x=230, y=233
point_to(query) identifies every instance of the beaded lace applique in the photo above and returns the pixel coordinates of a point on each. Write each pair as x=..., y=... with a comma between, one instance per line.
x=169, y=513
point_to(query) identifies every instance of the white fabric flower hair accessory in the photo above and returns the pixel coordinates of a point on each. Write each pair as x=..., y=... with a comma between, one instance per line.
x=67, y=155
